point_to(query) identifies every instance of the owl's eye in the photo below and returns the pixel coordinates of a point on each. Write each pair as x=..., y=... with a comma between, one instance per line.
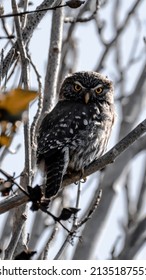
x=99, y=90
x=77, y=87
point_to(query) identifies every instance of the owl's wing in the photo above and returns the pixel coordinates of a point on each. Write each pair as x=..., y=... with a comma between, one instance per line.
x=67, y=122
x=57, y=128
x=54, y=136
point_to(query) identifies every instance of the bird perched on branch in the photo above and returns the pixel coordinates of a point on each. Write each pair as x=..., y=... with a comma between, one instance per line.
x=77, y=130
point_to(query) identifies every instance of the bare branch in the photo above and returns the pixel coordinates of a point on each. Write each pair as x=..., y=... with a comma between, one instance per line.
x=50, y=240
x=32, y=22
x=111, y=176
x=92, y=210
x=112, y=154
x=99, y=164
x=109, y=45
x=16, y=13
x=53, y=61
x=134, y=241
x=16, y=235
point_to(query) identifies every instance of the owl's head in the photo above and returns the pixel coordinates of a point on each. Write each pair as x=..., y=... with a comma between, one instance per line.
x=87, y=87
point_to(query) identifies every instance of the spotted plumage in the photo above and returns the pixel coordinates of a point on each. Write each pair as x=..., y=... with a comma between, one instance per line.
x=77, y=130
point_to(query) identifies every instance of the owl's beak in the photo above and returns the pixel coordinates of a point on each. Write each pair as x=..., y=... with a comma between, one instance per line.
x=86, y=97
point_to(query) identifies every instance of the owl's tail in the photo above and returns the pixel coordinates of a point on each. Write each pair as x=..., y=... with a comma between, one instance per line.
x=55, y=169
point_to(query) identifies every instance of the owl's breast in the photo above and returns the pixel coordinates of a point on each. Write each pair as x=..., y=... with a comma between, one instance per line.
x=90, y=141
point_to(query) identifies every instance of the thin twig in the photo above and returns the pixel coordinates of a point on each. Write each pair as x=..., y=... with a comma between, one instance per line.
x=142, y=193
x=12, y=180
x=16, y=235
x=92, y=210
x=76, y=225
x=9, y=34
x=31, y=12
x=12, y=71
x=39, y=108
x=21, y=46
x=24, y=18
x=51, y=238
x=79, y=189
x=61, y=250
x=32, y=22
x=109, y=45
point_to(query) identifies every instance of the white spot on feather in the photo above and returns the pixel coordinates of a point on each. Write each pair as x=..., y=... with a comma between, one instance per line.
x=85, y=122
x=63, y=125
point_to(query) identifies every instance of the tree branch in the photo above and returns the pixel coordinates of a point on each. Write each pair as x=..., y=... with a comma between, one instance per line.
x=54, y=56
x=99, y=164
x=110, y=44
x=32, y=22
x=134, y=241
x=111, y=155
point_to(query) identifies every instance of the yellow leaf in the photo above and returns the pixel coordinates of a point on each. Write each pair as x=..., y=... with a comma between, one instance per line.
x=3, y=127
x=17, y=100
x=7, y=132
x=5, y=140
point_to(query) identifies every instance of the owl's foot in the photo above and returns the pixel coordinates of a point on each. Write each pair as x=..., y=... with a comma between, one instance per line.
x=83, y=178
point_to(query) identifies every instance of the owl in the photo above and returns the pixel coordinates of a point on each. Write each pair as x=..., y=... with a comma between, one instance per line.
x=77, y=130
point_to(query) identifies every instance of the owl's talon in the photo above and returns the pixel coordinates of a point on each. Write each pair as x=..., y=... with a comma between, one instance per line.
x=76, y=183
x=83, y=180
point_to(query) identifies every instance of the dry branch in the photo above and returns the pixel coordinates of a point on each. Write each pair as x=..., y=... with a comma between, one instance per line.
x=32, y=22
x=99, y=164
